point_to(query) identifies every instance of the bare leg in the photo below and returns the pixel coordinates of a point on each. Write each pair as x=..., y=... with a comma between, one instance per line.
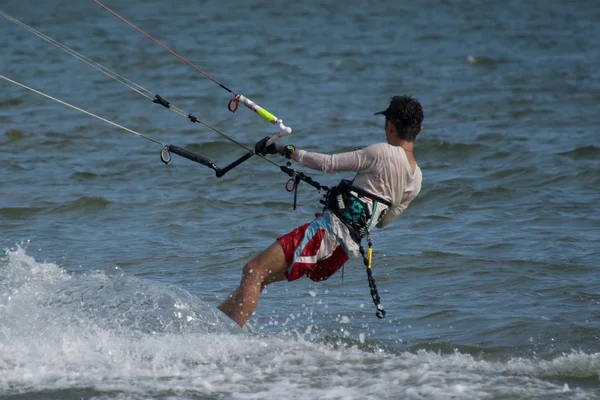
x=267, y=267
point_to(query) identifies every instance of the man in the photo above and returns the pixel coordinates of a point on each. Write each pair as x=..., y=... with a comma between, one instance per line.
x=387, y=180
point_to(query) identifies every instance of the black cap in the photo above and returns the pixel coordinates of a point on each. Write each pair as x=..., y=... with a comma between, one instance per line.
x=404, y=109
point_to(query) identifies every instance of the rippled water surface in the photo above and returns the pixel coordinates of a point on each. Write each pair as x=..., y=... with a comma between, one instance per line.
x=113, y=263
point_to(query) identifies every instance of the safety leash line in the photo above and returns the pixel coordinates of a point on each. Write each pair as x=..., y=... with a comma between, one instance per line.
x=156, y=98
x=367, y=259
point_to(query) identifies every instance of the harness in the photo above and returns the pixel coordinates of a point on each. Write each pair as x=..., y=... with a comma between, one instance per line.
x=359, y=211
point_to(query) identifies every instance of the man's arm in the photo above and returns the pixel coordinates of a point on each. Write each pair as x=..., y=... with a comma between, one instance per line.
x=362, y=160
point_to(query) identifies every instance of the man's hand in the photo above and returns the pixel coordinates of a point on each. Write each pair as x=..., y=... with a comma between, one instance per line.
x=287, y=150
x=276, y=148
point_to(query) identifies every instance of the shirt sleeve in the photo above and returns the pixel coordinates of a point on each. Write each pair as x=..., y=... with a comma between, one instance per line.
x=363, y=160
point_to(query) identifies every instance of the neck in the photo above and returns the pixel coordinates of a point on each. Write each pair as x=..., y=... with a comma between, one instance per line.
x=407, y=146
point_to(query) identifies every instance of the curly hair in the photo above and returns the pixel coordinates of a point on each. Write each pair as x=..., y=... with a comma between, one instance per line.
x=406, y=113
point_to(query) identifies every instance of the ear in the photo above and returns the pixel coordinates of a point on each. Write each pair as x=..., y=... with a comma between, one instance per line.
x=386, y=126
x=420, y=130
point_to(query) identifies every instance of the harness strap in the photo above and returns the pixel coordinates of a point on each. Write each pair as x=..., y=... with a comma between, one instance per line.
x=346, y=184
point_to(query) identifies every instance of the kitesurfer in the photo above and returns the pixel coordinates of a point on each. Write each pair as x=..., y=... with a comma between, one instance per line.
x=387, y=179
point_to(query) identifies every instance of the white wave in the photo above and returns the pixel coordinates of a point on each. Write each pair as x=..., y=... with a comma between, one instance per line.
x=129, y=338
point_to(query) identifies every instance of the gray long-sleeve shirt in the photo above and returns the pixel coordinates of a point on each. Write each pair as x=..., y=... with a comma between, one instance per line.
x=382, y=169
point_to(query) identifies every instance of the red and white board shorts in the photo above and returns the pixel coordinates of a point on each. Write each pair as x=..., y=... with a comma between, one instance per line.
x=313, y=250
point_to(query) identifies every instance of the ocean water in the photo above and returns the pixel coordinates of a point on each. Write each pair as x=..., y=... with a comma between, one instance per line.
x=113, y=263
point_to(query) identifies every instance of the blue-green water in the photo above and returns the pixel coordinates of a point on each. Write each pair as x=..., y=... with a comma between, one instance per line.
x=114, y=263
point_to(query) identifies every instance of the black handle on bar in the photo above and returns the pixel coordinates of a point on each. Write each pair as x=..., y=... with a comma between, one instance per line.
x=165, y=157
x=192, y=156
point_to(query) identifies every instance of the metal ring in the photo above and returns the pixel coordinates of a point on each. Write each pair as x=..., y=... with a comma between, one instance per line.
x=287, y=185
x=165, y=156
x=233, y=104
